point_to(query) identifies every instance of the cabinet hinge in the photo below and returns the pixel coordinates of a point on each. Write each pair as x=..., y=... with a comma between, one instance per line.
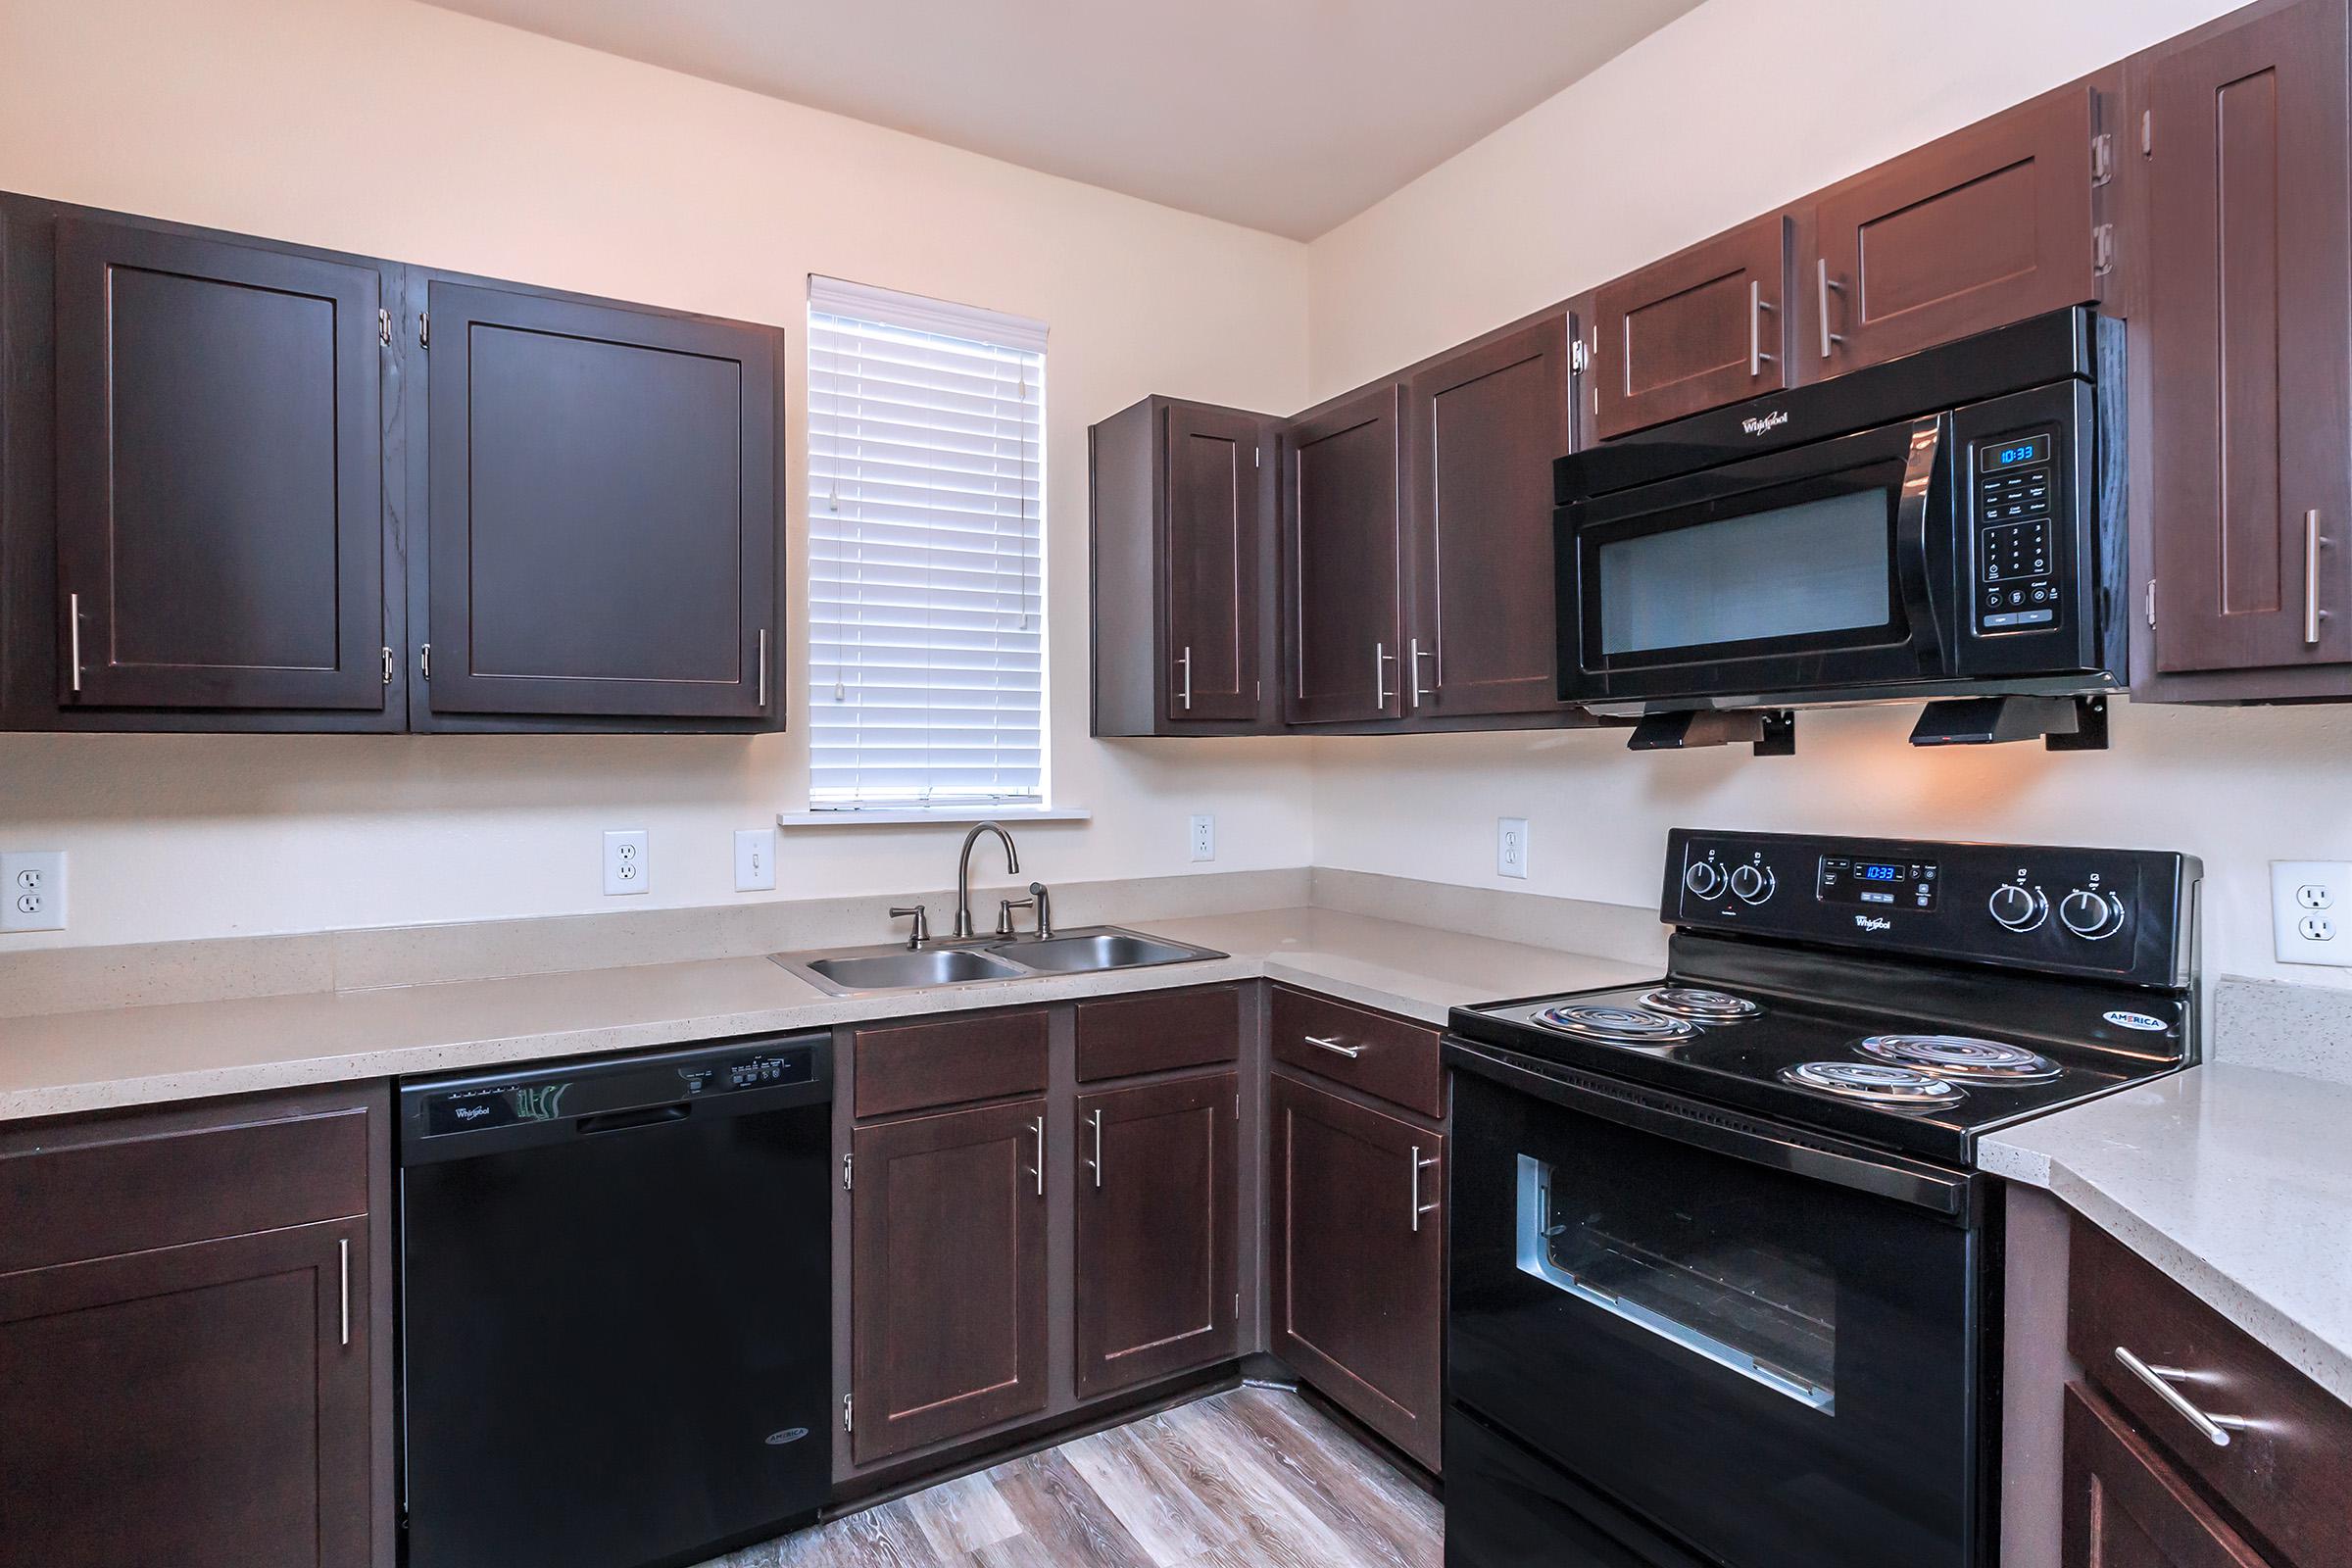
x=387, y=665
x=2102, y=159
x=1579, y=357
x=845, y=1412
x=383, y=327
x=846, y=1171
x=425, y=660
x=2147, y=134
x=424, y=330
x=2102, y=250
x=2151, y=602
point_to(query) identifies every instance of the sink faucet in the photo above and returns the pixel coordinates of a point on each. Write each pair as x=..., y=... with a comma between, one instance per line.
x=963, y=873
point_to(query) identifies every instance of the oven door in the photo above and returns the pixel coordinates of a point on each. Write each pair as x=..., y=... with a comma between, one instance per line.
x=1822, y=571
x=1761, y=1344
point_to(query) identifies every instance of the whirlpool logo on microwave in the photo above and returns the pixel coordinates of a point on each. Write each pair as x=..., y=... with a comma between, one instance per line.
x=1757, y=424
x=1874, y=922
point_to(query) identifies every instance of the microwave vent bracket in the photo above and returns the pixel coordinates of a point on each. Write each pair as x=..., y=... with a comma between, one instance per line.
x=2060, y=723
x=1772, y=731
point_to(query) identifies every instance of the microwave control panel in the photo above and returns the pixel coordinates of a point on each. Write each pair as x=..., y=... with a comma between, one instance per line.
x=2017, y=561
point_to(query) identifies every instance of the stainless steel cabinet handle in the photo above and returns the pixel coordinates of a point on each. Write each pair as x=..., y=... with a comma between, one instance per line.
x=2313, y=543
x=74, y=635
x=1335, y=1048
x=764, y=667
x=1419, y=1207
x=2216, y=1428
x=1821, y=271
x=1186, y=662
x=1381, y=658
x=1038, y=1126
x=343, y=1264
x=1096, y=1164
x=1413, y=671
x=1755, y=327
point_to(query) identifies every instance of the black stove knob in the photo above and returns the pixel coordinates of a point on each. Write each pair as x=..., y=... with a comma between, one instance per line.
x=2091, y=915
x=2017, y=906
x=1704, y=878
x=1754, y=883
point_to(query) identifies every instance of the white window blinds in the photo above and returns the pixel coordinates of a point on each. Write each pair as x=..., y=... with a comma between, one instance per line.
x=926, y=623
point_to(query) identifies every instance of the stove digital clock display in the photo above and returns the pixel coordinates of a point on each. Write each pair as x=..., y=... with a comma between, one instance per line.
x=1885, y=884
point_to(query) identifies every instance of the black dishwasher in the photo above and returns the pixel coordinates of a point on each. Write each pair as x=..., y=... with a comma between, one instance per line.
x=616, y=1307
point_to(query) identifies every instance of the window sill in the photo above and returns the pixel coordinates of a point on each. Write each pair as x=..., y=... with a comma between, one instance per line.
x=944, y=816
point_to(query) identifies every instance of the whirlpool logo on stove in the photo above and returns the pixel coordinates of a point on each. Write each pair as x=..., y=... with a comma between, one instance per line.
x=1874, y=922
x=1758, y=425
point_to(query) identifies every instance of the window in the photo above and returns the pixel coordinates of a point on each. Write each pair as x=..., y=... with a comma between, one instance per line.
x=926, y=604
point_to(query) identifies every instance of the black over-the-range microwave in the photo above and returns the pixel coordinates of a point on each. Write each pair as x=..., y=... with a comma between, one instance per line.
x=1947, y=524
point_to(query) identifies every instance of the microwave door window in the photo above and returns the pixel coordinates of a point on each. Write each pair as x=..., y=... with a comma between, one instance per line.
x=1790, y=573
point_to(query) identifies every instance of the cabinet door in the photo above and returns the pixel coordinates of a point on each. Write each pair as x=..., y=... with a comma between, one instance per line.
x=205, y=1406
x=1212, y=561
x=219, y=475
x=1482, y=428
x=1343, y=567
x=2127, y=1507
x=2249, y=236
x=1156, y=1287
x=1985, y=226
x=1704, y=327
x=604, y=510
x=947, y=1275
x=1356, y=1259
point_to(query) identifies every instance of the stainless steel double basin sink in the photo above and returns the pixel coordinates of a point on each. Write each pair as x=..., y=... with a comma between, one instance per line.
x=895, y=966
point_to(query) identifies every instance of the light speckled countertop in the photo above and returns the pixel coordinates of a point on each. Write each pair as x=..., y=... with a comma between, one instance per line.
x=2235, y=1180
x=78, y=1061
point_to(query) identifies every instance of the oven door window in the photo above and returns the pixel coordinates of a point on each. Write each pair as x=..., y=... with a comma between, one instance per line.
x=1797, y=568
x=1765, y=1309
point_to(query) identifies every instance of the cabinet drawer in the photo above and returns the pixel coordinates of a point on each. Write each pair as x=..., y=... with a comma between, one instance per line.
x=2288, y=1474
x=2127, y=1507
x=1120, y=1037
x=947, y=1061
x=1380, y=1054
x=108, y=1189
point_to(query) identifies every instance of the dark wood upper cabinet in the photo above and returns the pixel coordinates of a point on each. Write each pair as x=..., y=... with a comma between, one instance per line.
x=1482, y=426
x=2246, y=242
x=1988, y=225
x=218, y=521
x=1183, y=539
x=1156, y=1273
x=1356, y=1258
x=1706, y=326
x=1342, y=561
x=948, y=1315
x=603, y=511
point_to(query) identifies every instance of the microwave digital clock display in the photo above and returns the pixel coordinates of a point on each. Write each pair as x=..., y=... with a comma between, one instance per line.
x=2015, y=453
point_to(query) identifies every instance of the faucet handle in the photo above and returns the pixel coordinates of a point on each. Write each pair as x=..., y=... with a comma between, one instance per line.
x=1004, y=908
x=922, y=925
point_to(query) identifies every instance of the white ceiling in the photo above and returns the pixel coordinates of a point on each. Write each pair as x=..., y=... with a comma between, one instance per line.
x=1290, y=116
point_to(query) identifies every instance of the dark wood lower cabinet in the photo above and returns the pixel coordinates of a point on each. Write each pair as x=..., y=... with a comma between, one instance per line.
x=1156, y=1289
x=947, y=1275
x=1355, y=1264
x=2128, y=1507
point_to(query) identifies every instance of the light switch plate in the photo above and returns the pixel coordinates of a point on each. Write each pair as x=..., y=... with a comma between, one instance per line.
x=1511, y=847
x=32, y=890
x=626, y=870
x=755, y=860
x=2311, y=902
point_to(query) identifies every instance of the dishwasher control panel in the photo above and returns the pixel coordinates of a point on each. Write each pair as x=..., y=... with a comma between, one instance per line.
x=600, y=1095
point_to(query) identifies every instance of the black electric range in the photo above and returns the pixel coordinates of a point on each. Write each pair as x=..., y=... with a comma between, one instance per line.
x=1728, y=1224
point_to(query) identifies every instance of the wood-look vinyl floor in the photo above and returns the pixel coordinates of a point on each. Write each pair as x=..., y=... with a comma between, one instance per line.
x=1250, y=1479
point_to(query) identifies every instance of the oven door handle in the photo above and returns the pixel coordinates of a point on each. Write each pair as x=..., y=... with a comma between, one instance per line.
x=1948, y=1194
x=1913, y=517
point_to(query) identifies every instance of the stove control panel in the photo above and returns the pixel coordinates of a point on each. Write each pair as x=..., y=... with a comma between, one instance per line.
x=2127, y=914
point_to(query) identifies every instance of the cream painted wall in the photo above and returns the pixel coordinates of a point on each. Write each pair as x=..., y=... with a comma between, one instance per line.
x=392, y=128
x=1723, y=115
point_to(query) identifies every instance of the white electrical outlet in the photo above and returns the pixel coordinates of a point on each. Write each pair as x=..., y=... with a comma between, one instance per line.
x=755, y=860
x=2308, y=912
x=32, y=890
x=1203, y=837
x=1511, y=847
x=626, y=870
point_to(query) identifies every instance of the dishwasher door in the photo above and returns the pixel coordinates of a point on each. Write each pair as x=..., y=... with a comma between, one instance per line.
x=616, y=1307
